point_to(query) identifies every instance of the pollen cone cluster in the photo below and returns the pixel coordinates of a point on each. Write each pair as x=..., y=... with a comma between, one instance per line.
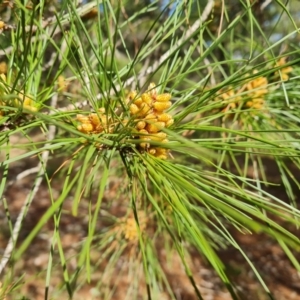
x=95, y=122
x=257, y=89
x=229, y=98
x=3, y=67
x=24, y=101
x=284, y=71
x=150, y=118
x=250, y=95
x=129, y=226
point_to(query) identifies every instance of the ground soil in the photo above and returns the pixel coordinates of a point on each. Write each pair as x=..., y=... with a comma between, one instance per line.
x=278, y=273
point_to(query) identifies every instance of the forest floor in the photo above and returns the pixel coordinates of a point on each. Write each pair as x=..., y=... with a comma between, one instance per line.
x=278, y=273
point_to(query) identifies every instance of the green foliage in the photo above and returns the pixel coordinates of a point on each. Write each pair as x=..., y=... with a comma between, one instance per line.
x=235, y=108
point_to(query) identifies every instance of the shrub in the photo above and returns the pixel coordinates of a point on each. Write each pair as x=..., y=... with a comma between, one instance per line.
x=140, y=139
